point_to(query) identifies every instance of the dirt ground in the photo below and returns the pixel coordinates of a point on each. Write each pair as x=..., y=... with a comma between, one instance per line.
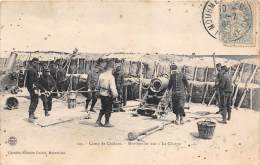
x=79, y=142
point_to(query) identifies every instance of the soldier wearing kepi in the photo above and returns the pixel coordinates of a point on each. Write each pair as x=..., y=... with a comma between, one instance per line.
x=92, y=82
x=225, y=90
x=219, y=76
x=32, y=84
x=119, y=79
x=108, y=92
x=178, y=85
x=47, y=85
x=60, y=77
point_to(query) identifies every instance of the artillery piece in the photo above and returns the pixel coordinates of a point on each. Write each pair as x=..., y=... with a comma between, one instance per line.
x=156, y=101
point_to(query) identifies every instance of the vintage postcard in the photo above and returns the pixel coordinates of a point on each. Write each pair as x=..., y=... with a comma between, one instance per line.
x=130, y=82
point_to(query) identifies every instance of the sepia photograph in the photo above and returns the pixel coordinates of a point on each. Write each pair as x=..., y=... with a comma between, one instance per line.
x=123, y=82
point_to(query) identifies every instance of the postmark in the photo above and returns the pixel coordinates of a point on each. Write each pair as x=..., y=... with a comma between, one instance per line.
x=236, y=22
x=210, y=18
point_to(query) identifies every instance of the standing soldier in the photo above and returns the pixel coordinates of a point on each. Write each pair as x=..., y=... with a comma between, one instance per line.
x=178, y=85
x=53, y=69
x=92, y=82
x=119, y=79
x=217, y=82
x=108, y=92
x=61, y=78
x=225, y=90
x=47, y=85
x=32, y=84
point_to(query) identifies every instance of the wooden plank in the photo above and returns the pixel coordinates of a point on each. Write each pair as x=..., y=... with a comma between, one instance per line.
x=206, y=90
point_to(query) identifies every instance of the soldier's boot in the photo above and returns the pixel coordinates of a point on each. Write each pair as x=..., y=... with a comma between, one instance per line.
x=107, y=123
x=98, y=122
x=224, y=116
x=181, y=120
x=30, y=116
x=86, y=106
x=177, y=119
x=34, y=117
x=229, y=114
x=46, y=113
x=92, y=109
x=93, y=105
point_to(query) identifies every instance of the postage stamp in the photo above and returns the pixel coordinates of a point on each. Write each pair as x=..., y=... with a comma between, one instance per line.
x=236, y=23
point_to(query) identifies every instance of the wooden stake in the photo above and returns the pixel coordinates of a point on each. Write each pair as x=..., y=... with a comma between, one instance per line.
x=141, y=80
x=206, y=90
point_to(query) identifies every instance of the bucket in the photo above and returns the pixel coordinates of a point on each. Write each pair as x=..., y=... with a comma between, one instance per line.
x=72, y=102
x=12, y=103
x=206, y=129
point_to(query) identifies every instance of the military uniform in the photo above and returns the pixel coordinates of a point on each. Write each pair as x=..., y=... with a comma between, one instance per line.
x=119, y=80
x=225, y=90
x=32, y=86
x=108, y=92
x=178, y=85
x=47, y=85
x=92, y=82
x=61, y=78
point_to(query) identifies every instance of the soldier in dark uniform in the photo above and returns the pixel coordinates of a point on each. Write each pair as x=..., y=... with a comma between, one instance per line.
x=219, y=76
x=92, y=81
x=60, y=78
x=178, y=85
x=53, y=69
x=32, y=84
x=225, y=90
x=119, y=79
x=47, y=85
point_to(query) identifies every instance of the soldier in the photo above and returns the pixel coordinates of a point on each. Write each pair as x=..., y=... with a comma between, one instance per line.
x=225, y=91
x=60, y=77
x=217, y=81
x=53, y=69
x=108, y=92
x=92, y=82
x=32, y=84
x=47, y=85
x=119, y=79
x=178, y=85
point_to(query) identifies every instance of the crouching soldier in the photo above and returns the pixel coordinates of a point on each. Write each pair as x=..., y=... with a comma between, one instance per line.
x=178, y=85
x=108, y=92
x=47, y=86
x=225, y=90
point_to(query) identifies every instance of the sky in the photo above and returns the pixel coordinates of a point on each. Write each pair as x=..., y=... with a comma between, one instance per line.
x=110, y=26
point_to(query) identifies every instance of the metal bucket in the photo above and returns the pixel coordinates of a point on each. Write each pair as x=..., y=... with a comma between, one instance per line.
x=12, y=103
x=72, y=101
x=206, y=129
